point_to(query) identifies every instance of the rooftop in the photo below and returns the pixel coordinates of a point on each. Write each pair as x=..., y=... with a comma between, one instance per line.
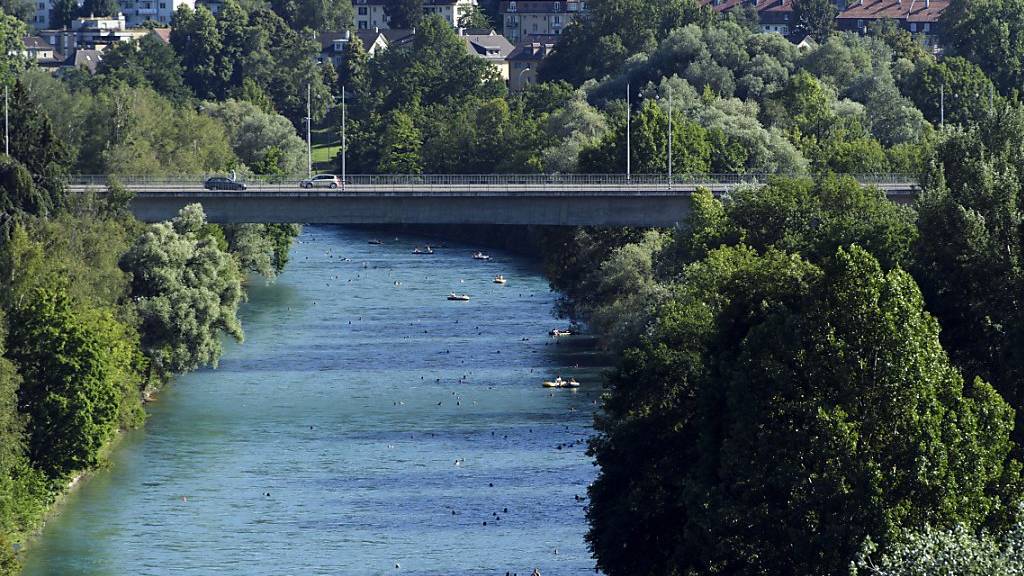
x=909, y=10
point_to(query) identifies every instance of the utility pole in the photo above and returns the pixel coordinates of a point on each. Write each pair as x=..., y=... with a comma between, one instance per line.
x=7, y=129
x=942, y=105
x=344, y=147
x=629, y=112
x=309, y=141
x=670, y=137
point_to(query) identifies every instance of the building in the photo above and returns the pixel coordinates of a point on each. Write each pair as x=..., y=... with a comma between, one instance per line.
x=162, y=34
x=370, y=15
x=522, y=18
x=332, y=44
x=450, y=10
x=41, y=19
x=492, y=47
x=39, y=50
x=772, y=15
x=88, y=59
x=137, y=12
x=524, y=61
x=919, y=17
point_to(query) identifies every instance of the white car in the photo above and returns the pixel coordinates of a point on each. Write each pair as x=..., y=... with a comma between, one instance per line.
x=321, y=181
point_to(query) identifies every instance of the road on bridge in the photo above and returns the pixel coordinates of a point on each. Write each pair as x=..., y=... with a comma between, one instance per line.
x=568, y=200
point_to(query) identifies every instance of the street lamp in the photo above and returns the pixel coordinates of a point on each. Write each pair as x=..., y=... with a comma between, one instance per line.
x=629, y=152
x=521, y=72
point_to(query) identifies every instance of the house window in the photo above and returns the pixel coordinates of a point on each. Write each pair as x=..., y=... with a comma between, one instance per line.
x=362, y=24
x=558, y=20
x=913, y=26
x=362, y=10
x=511, y=6
x=163, y=5
x=927, y=27
x=860, y=24
x=42, y=6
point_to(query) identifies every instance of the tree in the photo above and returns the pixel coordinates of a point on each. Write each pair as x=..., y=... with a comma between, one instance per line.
x=403, y=13
x=261, y=248
x=957, y=550
x=814, y=18
x=253, y=133
x=101, y=8
x=37, y=146
x=24, y=10
x=990, y=34
x=77, y=365
x=196, y=39
x=146, y=62
x=187, y=291
x=472, y=17
x=400, y=146
x=314, y=14
x=234, y=30
x=64, y=11
x=12, y=62
x=734, y=458
x=691, y=151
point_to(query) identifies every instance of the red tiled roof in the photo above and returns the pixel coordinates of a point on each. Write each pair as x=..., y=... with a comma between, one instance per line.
x=163, y=34
x=762, y=5
x=909, y=10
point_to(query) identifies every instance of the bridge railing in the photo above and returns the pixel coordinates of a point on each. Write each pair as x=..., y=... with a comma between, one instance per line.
x=489, y=182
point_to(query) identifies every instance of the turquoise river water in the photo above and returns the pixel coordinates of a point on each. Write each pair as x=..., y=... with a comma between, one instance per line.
x=363, y=427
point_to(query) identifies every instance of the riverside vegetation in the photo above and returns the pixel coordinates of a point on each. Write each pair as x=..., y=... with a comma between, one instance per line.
x=812, y=380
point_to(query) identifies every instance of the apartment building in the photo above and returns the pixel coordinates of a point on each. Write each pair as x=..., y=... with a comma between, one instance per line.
x=137, y=12
x=370, y=15
x=524, y=61
x=919, y=17
x=773, y=15
x=522, y=18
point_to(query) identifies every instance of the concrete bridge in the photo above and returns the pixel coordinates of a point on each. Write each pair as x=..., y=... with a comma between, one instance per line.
x=534, y=199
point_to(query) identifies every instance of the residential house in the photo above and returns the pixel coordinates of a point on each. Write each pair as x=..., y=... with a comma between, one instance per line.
x=772, y=15
x=93, y=32
x=213, y=6
x=370, y=15
x=162, y=34
x=332, y=44
x=40, y=51
x=450, y=10
x=41, y=19
x=919, y=17
x=88, y=59
x=491, y=47
x=524, y=61
x=138, y=12
x=522, y=18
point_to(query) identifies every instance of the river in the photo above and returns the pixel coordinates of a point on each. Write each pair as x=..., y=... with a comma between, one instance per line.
x=363, y=427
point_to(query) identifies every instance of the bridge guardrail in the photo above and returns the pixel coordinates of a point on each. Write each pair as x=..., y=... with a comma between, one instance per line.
x=489, y=182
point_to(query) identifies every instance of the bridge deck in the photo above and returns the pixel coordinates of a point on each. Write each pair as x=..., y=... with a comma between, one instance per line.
x=532, y=200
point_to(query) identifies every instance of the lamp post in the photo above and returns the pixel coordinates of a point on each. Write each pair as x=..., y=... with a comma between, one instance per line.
x=309, y=141
x=7, y=130
x=344, y=147
x=670, y=137
x=629, y=112
x=521, y=72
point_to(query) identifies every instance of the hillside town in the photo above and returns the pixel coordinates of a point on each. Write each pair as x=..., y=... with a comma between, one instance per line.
x=525, y=34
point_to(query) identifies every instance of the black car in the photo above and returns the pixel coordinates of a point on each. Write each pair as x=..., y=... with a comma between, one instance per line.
x=223, y=183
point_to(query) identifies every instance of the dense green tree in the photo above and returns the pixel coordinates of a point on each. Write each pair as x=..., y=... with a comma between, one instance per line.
x=253, y=133
x=814, y=18
x=234, y=30
x=36, y=144
x=77, y=366
x=473, y=17
x=691, y=150
x=149, y=61
x=315, y=14
x=24, y=10
x=954, y=85
x=261, y=248
x=957, y=550
x=732, y=458
x=101, y=8
x=64, y=11
x=187, y=291
x=403, y=13
x=990, y=34
x=613, y=31
x=12, y=62
x=196, y=39
x=400, y=146
x=968, y=257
